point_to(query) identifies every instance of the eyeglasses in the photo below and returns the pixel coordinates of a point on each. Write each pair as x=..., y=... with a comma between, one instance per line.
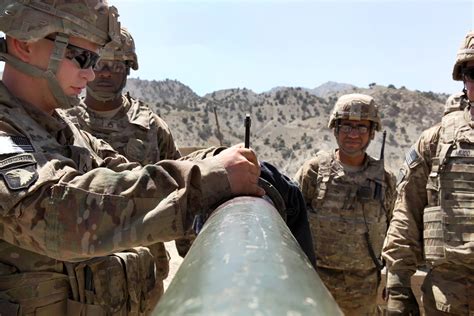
x=359, y=129
x=468, y=73
x=84, y=58
x=111, y=65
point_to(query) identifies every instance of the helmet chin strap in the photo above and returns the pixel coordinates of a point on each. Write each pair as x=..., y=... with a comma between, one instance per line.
x=105, y=96
x=60, y=44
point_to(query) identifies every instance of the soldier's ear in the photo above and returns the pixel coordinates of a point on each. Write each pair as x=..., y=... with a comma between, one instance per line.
x=20, y=49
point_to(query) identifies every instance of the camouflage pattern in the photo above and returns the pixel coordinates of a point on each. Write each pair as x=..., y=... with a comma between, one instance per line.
x=455, y=102
x=342, y=206
x=355, y=106
x=138, y=134
x=134, y=131
x=93, y=20
x=465, y=54
x=67, y=198
x=434, y=217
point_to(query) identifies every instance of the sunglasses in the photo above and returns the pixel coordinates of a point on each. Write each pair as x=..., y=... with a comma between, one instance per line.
x=359, y=129
x=84, y=58
x=111, y=65
x=468, y=73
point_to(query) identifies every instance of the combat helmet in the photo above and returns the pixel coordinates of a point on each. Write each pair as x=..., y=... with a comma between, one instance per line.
x=355, y=106
x=32, y=20
x=124, y=52
x=465, y=54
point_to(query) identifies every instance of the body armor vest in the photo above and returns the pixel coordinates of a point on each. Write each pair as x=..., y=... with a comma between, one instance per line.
x=449, y=217
x=138, y=144
x=347, y=214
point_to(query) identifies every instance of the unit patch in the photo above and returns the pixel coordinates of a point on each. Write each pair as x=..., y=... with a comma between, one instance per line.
x=15, y=145
x=19, y=172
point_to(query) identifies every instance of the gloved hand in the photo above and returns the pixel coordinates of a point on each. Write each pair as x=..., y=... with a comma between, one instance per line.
x=402, y=301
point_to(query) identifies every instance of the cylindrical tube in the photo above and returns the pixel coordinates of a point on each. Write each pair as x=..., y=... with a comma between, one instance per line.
x=245, y=261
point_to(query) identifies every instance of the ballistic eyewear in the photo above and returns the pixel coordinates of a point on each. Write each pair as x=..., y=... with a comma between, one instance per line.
x=359, y=129
x=84, y=58
x=111, y=65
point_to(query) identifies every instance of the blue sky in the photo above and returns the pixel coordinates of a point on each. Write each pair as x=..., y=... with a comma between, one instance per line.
x=261, y=44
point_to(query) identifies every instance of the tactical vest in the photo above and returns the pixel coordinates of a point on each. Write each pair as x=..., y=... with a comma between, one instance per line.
x=131, y=132
x=34, y=284
x=449, y=217
x=344, y=209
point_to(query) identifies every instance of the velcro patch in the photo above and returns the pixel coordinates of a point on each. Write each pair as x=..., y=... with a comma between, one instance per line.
x=15, y=145
x=19, y=172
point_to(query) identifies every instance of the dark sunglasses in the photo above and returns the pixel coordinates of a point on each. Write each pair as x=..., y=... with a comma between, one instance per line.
x=115, y=66
x=84, y=58
x=360, y=129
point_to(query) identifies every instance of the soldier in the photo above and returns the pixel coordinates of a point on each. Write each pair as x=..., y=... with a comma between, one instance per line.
x=349, y=196
x=125, y=123
x=72, y=209
x=433, y=218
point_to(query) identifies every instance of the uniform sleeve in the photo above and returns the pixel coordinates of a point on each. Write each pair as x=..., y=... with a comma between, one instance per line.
x=49, y=207
x=390, y=194
x=403, y=248
x=166, y=143
x=306, y=178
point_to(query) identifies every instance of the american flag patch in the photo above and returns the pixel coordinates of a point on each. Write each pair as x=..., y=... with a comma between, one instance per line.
x=412, y=157
x=15, y=145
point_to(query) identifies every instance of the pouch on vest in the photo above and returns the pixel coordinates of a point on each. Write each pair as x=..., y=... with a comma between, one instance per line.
x=34, y=293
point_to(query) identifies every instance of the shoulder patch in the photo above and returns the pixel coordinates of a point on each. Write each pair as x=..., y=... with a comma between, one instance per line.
x=15, y=145
x=19, y=172
x=412, y=158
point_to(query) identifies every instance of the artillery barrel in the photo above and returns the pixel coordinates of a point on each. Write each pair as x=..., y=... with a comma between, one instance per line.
x=245, y=261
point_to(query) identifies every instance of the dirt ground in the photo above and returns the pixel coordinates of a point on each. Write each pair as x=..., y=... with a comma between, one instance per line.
x=175, y=262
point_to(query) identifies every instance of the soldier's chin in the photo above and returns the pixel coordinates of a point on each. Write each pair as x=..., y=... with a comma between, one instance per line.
x=352, y=152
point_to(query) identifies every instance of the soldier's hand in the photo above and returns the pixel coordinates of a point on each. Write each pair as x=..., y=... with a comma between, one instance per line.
x=402, y=301
x=242, y=169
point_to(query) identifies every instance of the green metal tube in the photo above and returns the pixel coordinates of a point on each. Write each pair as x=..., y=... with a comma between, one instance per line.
x=245, y=261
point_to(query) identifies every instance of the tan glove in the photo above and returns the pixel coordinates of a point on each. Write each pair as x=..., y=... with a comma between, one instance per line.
x=402, y=301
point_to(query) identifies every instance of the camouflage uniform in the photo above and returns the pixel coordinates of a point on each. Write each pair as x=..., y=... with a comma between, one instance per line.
x=134, y=131
x=433, y=219
x=72, y=209
x=141, y=136
x=348, y=207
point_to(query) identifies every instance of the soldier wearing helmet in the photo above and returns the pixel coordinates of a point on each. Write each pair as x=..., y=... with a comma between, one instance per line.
x=127, y=124
x=349, y=197
x=76, y=216
x=432, y=220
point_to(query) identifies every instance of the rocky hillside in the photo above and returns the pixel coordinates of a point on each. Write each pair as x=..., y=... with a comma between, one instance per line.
x=289, y=125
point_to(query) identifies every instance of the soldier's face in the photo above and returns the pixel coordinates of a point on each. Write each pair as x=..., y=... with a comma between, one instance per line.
x=469, y=83
x=353, y=136
x=109, y=76
x=71, y=78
